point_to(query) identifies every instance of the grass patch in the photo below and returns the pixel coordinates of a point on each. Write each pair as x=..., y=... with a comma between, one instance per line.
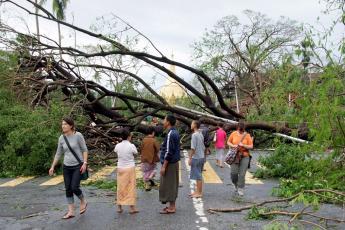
x=103, y=184
x=112, y=184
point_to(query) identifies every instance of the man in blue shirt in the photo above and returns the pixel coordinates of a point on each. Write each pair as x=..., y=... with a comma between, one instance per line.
x=169, y=157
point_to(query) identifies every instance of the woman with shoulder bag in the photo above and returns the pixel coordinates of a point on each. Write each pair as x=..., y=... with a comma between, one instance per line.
x=242, y=141
x=72, y=145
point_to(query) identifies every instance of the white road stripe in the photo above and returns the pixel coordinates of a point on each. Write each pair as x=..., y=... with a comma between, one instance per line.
x=197, y=202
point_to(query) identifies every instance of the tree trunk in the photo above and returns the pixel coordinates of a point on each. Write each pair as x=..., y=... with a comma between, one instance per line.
x=37, y=25
x=59, y=31
x=257, y=92
x=236, y=95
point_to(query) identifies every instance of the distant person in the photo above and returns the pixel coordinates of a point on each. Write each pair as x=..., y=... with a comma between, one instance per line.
x=155, y=121
x=219, y=144
x=242, y=140
x=205, y=130
x=197, y=158
x=149, y=157
x=169, y=158
x=72, y=167
x=126, y=179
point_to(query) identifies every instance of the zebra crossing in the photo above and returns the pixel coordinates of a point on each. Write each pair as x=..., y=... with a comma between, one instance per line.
x=210, y=176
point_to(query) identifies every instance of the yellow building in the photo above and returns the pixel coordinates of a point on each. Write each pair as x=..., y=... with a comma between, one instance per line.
x=171, y=90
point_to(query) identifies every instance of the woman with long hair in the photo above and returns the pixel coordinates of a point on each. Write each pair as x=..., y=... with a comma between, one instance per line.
x=71, y=141
x=241, y=140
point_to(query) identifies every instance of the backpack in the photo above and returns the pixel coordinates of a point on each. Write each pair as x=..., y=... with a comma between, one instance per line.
x=206, y=133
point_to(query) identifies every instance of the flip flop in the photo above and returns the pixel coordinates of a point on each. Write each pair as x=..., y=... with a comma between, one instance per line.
x=120, y=211
x=199, y=196
x=167, y=211
x=83, y=210
x=65, y=217
x=133, y=212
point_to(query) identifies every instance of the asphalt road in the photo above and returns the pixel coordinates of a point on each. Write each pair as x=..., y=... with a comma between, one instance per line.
x=29, y=205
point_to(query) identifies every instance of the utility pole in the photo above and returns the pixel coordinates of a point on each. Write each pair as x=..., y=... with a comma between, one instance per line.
x=38, y=28
x=236, y=95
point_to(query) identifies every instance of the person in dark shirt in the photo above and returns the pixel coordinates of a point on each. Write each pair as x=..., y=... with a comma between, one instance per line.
x=169, y=158
x=205, y=130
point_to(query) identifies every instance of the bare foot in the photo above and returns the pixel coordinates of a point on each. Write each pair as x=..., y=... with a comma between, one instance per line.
x=119, y=209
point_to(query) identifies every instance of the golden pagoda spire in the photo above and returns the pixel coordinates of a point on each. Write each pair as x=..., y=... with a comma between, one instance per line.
x=172, y=67
x=172, y=89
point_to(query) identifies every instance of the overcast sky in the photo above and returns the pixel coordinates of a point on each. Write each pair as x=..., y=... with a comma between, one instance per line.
x=174, y=25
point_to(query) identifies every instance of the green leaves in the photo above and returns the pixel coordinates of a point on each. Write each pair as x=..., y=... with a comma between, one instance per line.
x=258, y=213
x=28, y=138
x=302, y=168
x=59, y=7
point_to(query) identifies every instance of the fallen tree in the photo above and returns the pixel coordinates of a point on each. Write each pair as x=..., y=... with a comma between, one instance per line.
x=267, y=212
x=41, y=74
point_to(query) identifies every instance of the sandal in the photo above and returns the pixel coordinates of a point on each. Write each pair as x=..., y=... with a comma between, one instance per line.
x=191, y=194
x=153, y=184
x=196, y=196
x=82, y=211
x=134, y=212
x=66, y=216
x=167, y=211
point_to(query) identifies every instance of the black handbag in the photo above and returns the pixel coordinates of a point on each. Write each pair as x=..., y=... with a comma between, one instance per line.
x=85, y=175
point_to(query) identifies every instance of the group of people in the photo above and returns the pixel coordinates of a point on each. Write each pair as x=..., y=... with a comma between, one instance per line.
x=72, y=145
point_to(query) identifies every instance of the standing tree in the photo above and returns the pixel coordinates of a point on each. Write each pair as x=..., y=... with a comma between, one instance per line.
x=37, y=22
x=59, y=7
x=245, y=52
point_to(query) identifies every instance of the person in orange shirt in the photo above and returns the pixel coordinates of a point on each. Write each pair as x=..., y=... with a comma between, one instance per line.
x=241, y=164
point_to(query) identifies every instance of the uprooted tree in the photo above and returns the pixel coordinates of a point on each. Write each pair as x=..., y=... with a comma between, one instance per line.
x=41, y=73
x=105, y=83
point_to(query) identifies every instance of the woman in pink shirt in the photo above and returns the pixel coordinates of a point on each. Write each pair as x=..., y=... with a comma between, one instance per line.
x=220, y=139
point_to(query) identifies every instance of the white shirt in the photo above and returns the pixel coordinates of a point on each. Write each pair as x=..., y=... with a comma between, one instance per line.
x=125, y=154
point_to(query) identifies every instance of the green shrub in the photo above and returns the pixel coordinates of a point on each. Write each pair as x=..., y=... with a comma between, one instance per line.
x=286, y=161
x=28, y=138
x=299, y=169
